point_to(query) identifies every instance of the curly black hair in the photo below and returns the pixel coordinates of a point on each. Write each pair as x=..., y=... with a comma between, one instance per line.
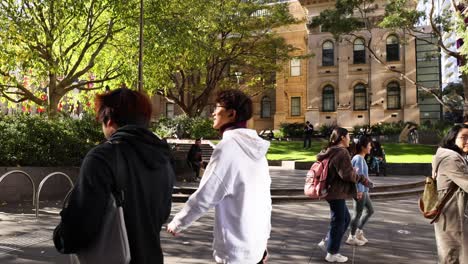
x=238, y=101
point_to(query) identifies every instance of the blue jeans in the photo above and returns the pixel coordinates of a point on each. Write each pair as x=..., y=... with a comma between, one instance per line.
x=338, y=224
x=360, y=219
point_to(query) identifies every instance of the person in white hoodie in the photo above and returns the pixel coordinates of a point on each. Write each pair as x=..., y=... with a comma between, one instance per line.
x=237, y=184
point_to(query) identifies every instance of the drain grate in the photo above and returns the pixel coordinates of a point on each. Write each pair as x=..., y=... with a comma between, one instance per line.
x=17, y=243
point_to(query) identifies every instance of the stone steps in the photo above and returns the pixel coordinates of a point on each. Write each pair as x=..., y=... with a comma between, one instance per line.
x=296, y=195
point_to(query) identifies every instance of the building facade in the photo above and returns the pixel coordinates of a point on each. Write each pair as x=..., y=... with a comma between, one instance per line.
x=343, y=84
x=340, y=83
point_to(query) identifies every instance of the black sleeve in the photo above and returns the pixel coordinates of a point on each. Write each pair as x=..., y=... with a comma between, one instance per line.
x=82, y=217
x=190, y=154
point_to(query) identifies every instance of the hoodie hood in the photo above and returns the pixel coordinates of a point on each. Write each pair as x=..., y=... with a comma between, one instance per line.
x=250, y=143
x=441, y=154
x=329, y=152
x=144, y=144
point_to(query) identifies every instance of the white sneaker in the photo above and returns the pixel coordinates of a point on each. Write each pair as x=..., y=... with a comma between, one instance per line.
x=336, y=258
x=323, y=245
x=352, y=240
x=360, y=236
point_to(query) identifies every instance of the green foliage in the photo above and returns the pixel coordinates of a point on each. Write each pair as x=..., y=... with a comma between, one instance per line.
x=386, y=128
x=400, y=14
x=339, y=20
x=62, y=45
x=440, y=128
x=279, y=134
x=194, y=47
x=202, y=128
x=327, y=129
x=293, y=130
x=183, y=126
x=37, y=141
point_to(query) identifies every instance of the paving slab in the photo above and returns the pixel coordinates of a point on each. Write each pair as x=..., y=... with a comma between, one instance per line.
x=397, y=232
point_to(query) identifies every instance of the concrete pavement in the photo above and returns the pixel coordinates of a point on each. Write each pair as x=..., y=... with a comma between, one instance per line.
x=397, y=232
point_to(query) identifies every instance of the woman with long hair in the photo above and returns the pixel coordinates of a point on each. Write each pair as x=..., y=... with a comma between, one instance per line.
x=362, y=200
x=449, y=166
x=341, y=179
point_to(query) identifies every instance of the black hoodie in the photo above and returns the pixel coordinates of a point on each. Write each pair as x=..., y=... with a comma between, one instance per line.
x=147, y=193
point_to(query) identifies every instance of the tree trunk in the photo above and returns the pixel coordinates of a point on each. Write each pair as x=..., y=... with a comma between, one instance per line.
x=52, y=108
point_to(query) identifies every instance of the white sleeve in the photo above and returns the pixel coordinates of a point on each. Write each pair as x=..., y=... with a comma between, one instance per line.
x=212, y=190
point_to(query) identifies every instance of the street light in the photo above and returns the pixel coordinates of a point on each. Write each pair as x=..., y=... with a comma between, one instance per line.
x=238, y=76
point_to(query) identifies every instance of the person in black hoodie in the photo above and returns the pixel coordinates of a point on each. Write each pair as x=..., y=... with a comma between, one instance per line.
x=149, y=179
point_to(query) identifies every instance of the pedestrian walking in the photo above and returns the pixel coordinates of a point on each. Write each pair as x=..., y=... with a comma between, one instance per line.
x=145, y=162
x=308, y=132
x=342, y=185
x=450, y=167
x=363, y=208
x=237, y=184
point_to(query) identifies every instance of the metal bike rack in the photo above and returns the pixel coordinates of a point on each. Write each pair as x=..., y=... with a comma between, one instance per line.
x=42, y=184
x=29, y=178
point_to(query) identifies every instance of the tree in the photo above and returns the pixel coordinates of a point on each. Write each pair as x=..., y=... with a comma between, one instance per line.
x=351, y=16
x=59, y=46
x=194, y=47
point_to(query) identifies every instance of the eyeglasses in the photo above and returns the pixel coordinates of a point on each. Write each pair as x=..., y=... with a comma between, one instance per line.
x=217, y=106
x=463, y=138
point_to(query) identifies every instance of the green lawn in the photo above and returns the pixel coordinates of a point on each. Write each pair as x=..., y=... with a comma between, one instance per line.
x=395, y=153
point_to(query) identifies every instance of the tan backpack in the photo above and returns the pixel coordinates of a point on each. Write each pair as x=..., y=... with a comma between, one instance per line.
x=429, y=203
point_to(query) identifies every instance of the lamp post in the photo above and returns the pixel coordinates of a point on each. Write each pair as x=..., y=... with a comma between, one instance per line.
x=140, y=60
x=238, y=76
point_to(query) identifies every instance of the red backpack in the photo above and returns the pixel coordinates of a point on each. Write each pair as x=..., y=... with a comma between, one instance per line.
x=316, y=181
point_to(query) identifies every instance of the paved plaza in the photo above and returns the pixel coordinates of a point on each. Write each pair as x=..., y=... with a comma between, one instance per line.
x=397, y=232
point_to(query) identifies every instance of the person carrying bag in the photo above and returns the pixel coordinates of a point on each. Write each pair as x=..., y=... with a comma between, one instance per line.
x=125, y=185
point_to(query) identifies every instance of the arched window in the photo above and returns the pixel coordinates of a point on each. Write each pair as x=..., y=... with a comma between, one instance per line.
x=393, y=96
x=328, y=54
x=359, y=51
x=266, y=107
x=360, y=97
x=393, y=48
x=328, y=99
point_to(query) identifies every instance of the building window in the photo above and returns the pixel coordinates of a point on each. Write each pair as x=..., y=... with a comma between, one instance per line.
x=295, y=67
x=328, y=99
x=359, y=51
x=393, y=48
x=295, y=106
x=170, y=110
x=328, y=54
x=393, y=96
x=266, y=107
x=360, y=97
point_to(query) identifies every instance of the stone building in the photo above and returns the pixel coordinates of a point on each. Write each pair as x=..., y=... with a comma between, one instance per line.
x=339, y=84
x=343, y=85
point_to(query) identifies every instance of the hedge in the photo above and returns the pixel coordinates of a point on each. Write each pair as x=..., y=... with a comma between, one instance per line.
x=33, y=140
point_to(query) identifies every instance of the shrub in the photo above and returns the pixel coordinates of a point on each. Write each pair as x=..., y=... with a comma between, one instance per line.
x=440, y=128
x=37, y=141
x=202, y=128
x=327, y=129
x=183, y=126
x=278, y=134
x=385, y=128
x=294, y=130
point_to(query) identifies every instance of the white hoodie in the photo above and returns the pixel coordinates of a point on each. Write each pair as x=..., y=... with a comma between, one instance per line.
x=237, y=183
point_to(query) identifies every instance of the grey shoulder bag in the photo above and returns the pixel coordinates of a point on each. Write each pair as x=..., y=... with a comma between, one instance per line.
x=111, y=246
